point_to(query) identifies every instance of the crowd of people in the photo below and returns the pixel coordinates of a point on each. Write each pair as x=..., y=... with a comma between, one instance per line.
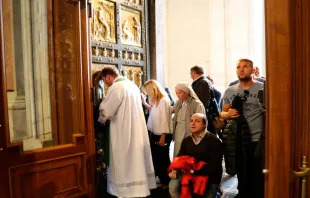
x=204, y=124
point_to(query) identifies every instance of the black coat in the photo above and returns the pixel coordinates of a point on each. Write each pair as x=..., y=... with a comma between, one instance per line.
x=170, y=95
x=201, y=86
x=218, y=95
x=236, y=139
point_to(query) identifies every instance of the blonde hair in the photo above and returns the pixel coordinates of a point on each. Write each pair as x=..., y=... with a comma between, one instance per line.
x=154, y=90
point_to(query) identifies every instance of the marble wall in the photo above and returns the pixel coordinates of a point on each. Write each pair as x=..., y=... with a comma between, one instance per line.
x=212, y=33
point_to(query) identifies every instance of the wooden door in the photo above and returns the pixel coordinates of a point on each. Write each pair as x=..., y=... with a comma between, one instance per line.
x=288, y=95
x=45, y=118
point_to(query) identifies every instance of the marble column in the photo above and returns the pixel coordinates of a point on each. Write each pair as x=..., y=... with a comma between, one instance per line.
x=16, y=99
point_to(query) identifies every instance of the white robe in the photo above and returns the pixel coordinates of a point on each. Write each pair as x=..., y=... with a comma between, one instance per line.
x=131, y=171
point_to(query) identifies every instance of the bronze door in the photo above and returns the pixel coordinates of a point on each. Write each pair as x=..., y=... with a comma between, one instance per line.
x=118, y=37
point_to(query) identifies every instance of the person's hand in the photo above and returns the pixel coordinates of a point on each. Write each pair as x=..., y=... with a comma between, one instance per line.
x=162, y=140
x=143, y=98
x=173, y=174
x=233, y=113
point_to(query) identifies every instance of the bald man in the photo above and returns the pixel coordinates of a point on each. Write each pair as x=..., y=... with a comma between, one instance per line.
x=203, y=146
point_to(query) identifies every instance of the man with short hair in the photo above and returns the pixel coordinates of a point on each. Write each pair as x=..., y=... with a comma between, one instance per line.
x=254, y=77
x=130, y=167
x=249, y=171
x=201, y=85
x=202, y=146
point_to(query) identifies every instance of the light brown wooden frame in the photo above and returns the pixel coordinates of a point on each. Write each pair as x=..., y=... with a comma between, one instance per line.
x=82, y=142
x=288, y=94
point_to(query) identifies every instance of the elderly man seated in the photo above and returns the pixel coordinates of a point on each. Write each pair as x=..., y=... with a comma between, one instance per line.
x=203, y=147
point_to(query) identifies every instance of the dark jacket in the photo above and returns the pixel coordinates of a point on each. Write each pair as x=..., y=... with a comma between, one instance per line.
x=218, y=95
x=170, y=95
x=236, y=139
x=229, y=147
x=201, y=86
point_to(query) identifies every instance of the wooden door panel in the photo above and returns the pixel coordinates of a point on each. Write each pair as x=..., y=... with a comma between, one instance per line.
x=67, y=69
x=56, y=177
x=59, y=170
x=288, y=94
x=301, y=89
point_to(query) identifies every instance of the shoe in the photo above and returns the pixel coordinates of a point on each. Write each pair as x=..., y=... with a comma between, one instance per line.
x=164, y=187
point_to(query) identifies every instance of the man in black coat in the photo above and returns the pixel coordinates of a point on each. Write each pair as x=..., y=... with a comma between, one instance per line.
x=201, y=85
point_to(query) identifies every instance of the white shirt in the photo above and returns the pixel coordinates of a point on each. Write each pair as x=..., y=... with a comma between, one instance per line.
x=160, y=119
x=201, y=136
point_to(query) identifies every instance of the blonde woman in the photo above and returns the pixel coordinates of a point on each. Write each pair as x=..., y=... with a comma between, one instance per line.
x=159, y=125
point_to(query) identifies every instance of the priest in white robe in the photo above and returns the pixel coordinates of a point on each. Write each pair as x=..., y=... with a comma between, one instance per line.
x=130, y=168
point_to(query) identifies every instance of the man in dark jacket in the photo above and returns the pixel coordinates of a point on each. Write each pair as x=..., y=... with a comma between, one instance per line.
x=201, y=85
x=202, y=146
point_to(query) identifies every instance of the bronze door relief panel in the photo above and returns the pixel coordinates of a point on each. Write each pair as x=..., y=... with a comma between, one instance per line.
x=118, y=37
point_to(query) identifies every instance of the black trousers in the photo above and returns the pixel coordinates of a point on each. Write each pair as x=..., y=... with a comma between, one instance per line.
x=160, y=155
x=249, y=173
